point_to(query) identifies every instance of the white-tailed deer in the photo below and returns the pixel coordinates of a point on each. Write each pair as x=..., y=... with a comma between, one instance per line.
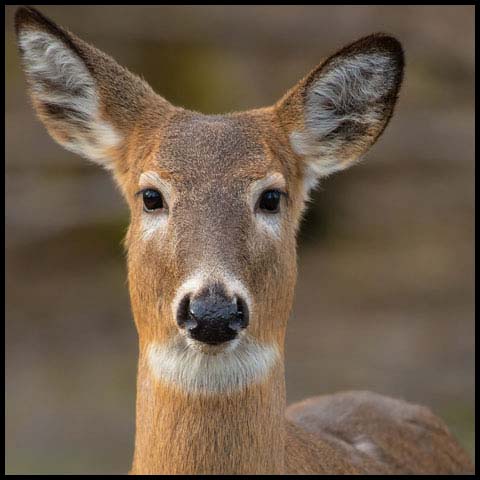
x=215, y=204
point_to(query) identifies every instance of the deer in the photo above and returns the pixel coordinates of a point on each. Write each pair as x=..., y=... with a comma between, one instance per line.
x=215, y=205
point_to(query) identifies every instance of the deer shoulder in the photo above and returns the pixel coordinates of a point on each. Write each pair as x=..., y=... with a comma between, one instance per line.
x=377, y=434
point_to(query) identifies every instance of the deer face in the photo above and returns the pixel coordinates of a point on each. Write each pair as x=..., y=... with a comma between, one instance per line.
x=220, y=247
x=215, y=201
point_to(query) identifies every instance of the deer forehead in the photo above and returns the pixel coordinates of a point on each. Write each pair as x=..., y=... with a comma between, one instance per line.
x=195, y=147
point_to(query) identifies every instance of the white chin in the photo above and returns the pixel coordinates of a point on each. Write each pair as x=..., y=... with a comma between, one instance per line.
x=193, y=367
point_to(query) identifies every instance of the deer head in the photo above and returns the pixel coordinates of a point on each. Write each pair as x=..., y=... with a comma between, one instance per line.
x=215, y=200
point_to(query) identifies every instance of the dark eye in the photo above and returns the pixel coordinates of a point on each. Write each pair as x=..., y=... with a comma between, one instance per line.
x=152, y=200
x=270, y=201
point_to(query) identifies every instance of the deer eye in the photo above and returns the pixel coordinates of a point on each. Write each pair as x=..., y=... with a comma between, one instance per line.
x=152, y=200
x=270, y=201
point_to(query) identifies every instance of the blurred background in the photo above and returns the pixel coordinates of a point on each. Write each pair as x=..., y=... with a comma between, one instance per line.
x=385, y=297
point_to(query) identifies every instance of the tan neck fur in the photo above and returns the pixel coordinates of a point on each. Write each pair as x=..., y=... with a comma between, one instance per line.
x=178, y=433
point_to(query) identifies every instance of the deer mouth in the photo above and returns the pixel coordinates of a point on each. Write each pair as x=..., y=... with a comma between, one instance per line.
x=211, y=349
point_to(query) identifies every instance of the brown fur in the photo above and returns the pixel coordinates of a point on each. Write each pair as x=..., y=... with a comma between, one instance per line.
x=211, y=160
x=191, y=434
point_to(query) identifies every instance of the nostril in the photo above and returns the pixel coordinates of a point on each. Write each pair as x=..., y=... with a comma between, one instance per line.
x=240, y=320
x=184, y=318
x=235, y=325
x=191, y=323
x=239, y=304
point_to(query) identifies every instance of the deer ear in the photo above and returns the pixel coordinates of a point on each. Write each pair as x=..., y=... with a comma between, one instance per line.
x=87, y=101
x=338, y=111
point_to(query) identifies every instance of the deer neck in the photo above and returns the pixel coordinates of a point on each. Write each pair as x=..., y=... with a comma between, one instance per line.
x=237, y=432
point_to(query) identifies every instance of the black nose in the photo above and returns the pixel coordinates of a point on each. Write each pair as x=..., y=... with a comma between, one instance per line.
x=212, y=317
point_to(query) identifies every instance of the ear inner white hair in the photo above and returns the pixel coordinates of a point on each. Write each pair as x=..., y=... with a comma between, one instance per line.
x=349, y=95
x=67, y=95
